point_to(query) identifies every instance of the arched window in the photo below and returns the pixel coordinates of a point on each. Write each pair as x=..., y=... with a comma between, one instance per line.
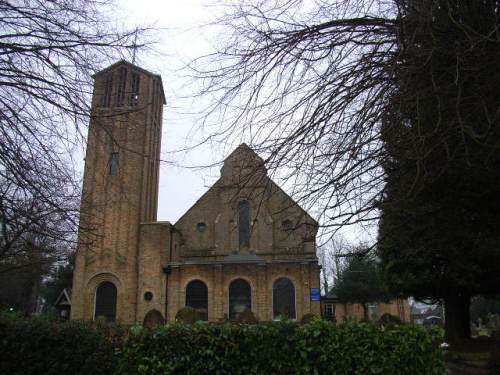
x=197, y=298
x=105, y=301
x=240, y=298
x=283, y=299
x=244, y=223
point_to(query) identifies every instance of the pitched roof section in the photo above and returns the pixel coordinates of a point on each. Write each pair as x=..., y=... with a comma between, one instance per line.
x=244, y=157
x=133, y=67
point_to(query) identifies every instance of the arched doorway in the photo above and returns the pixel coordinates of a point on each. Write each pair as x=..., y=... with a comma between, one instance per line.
x=240, y=298
x=283, y=299
x=153, y=318
x=105, y=301
x=197, y=298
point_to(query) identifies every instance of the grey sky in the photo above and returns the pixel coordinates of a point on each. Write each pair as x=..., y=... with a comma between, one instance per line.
x=181, y=38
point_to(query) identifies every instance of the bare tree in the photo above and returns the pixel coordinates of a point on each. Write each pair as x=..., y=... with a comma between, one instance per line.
x=377, y=106
x=49, y=51
x=331, y=256
x=308, y=86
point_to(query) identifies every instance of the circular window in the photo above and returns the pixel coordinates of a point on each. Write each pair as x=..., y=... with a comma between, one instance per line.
x=201, y=227
x=148, y=296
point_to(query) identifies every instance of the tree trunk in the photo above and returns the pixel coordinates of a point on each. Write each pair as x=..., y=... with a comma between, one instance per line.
x=365, y=312
x=325, y=282
x=457, y=317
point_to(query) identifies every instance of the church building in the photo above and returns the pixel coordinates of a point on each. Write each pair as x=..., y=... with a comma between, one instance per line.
x=244, y=245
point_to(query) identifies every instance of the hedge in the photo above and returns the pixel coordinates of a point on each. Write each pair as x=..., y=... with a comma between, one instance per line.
x=40, y=346
x=37, y=346
x=318, y=347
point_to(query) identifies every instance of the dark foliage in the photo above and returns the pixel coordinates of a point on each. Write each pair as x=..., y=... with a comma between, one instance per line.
x=50, y=50
x=481, y=307
x=187, y=315
x=361, y=282
x=61, y=277
x=283, y=348
x=247, y=317
x=440, y=228
x=308, y=318
x=38, y=346
x=389, y=319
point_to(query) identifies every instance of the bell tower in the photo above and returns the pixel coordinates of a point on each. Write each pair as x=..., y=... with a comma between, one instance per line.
x=120, y=190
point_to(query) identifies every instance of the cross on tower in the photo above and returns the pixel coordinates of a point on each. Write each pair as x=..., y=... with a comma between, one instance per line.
x=134, y=46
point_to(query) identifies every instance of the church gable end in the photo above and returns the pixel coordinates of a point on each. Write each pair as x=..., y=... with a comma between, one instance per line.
x=245, y=212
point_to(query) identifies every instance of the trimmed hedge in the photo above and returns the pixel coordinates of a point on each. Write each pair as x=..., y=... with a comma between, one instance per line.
x=318, y=347
x=40, y=346
x=37, y=346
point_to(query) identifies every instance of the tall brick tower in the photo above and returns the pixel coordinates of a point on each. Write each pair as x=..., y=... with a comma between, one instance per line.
x=120, y=191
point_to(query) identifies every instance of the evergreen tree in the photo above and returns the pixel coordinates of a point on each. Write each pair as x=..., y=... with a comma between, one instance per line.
x=440, y=229
x=361, y=282
x=61, y=277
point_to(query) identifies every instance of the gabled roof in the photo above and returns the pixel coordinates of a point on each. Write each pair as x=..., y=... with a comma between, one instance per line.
x=248, y=153
x=331, y=295
x=64, y=297
x=134, y=67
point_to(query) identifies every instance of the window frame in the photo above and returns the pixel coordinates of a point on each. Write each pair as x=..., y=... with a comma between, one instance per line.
x=238, y=279
x=114, y=163
x=275, y=317
x=244, y=223
x=107, y=91
x=121, y=87
x=115, y=304
x=201, y=282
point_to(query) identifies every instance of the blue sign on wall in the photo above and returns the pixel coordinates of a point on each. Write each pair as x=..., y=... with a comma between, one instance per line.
x=315, y=294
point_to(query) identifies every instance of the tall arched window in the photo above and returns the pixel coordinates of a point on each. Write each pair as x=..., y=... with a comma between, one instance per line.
x=197, y=298
x=283, y=299
x=105, y=301
x=240, y=298
x=244, y=223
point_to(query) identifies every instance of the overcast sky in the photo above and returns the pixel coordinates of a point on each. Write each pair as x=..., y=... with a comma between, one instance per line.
x=180, y=38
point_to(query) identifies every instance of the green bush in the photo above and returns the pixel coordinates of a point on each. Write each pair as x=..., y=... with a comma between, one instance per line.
x=389, y=319
x=187, y=315
x=308, y=318
x=247, y=317
x=283, y=348
x=40, y=346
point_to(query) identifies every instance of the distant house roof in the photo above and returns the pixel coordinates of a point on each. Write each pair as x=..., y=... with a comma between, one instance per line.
x=64, y=298
x=331, y=295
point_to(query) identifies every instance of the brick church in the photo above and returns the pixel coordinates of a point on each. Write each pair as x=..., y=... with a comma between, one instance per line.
x=244, y=245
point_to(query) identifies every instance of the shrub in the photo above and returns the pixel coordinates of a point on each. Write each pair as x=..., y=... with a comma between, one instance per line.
x=40, y=346
x=389, y=319
x=308, y=318
x=247, y=317
x=283, y=348
x=187, y=315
